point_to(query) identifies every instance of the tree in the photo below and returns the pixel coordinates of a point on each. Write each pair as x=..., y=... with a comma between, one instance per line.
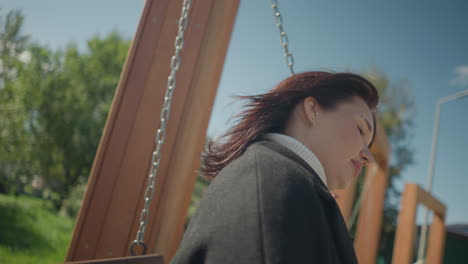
x=12, y=45
x=12, y=56
x=61, y=103
x=70, y=96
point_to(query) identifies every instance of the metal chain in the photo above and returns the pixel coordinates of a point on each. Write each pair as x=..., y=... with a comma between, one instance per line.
x=283, y=36
x=161, y=133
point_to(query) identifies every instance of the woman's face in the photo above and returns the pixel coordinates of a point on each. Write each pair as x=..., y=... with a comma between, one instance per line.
x=340, y=138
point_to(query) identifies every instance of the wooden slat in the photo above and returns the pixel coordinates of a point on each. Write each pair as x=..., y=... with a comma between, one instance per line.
x=345, y=199
x=105, y=173
x=140, y=145
x=129, y=188
x=431, y=202
x=381, y=147
x=109, y=217
x=405, y=233
x=371, y=214
x=436, y=243
x=207, y=72
x=148, y=259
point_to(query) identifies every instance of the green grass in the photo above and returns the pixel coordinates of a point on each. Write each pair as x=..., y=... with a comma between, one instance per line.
x=31, y=232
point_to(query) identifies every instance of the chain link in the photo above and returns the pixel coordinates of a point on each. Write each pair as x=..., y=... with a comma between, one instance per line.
x=161, y=133
x=283, y=36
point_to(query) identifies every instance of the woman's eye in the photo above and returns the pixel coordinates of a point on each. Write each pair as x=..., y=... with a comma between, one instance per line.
x=360, y=130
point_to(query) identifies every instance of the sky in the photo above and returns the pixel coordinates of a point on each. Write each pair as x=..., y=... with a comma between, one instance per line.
x=424, y=43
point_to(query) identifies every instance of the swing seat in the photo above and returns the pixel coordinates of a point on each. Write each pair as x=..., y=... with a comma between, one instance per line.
x=146, y=259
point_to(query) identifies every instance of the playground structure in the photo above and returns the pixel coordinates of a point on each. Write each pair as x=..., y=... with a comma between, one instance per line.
x=110, y=218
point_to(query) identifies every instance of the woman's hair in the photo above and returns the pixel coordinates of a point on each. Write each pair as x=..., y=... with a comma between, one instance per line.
x=269, y=112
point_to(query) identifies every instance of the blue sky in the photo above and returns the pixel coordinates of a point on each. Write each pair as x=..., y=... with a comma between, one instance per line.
x=422, y=42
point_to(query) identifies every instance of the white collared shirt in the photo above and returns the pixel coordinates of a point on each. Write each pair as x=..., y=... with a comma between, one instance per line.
x=300, y=149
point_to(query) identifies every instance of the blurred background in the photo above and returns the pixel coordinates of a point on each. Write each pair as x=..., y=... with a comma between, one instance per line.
x=60, y=63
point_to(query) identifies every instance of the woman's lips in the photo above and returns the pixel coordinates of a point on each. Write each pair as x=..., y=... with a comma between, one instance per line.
x=357, y=166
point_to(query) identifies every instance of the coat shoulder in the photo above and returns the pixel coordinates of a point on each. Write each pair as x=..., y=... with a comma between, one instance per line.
x=263, y=207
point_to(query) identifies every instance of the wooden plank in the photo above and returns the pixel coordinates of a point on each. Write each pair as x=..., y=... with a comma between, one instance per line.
x=371, y=214
x=345, y=199
x=140, y=145
x=109, y=217
x=130, y=187
x=381, y=147
x=166, y=232
x=148, y=259
x=436, y=243
x=114, y=141
x=403, y=246
x=405, y=232
x=202, y=93
x=431, y=202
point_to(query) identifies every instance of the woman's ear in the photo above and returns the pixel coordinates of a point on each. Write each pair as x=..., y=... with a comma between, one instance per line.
x=310, y=107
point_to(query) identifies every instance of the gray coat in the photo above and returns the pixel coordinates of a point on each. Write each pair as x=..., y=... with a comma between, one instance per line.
x=267, y=206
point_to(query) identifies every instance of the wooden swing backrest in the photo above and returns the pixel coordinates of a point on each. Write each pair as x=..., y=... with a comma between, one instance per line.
x=109, y=217
x=147, y=259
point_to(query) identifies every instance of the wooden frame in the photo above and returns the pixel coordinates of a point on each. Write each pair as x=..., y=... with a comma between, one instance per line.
x=109, y=217
x=406, y=229
x=369, y=224
x=146, y=259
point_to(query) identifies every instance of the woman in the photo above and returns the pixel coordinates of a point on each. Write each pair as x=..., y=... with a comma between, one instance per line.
x=269, y=201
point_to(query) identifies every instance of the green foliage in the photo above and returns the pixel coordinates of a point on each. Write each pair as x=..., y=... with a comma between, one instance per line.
x=12, y=44
x=56, y=105
x=12, y=53
x=200, y=186
x=53, y=107
x=68, y=105
x=31, y=232
x=72, y=204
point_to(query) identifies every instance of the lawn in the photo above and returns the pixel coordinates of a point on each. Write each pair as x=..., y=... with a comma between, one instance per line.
x=31, y=232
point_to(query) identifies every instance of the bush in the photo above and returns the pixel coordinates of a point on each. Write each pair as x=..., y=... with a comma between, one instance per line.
x=72, y=204
x=31, y=232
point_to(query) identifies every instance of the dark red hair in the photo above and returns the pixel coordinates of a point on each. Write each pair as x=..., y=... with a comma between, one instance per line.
x=268, y=113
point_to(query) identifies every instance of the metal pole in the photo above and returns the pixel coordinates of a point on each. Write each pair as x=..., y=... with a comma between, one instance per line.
x=423, y=234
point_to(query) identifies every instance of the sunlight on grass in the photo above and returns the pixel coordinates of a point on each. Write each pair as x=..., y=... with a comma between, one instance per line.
x=31, y=232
